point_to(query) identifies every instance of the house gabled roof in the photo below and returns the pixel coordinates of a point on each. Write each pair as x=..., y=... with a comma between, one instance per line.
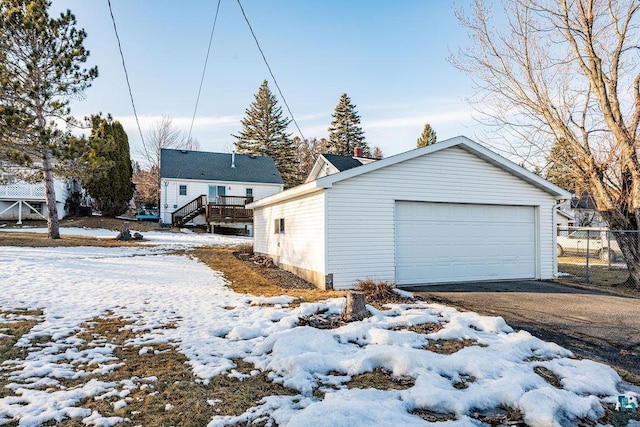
x=459, y=141
x=343, y=163
x=334, y=163
x=206, y=166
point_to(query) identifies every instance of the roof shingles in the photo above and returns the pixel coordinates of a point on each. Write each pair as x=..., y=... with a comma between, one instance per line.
x=205, y=166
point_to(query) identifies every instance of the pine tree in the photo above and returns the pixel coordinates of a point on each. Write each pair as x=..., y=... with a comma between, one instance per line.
x=264, y=133
x=562, y=169
x=40, y=70
x=105, y=169
x=345, y=132
x=428, y=137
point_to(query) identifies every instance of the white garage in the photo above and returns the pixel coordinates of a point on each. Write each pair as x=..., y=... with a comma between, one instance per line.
x=451, y=242
x=450, y=212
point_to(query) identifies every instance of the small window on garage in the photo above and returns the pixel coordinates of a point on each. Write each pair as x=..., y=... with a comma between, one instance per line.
x=183, y=190
x=279, y=226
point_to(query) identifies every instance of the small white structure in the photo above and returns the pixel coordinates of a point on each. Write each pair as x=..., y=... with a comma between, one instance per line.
x=198, y=187
x=449, y=212
x=20, y=200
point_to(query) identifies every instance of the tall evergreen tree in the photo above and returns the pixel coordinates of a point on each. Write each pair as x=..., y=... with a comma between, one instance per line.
x=105, y=169
x=40, y=70
x=428, y=137
x=264, y=133
x=345, y=132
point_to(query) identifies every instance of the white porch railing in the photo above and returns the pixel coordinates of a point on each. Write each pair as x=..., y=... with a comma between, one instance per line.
x=22, y=191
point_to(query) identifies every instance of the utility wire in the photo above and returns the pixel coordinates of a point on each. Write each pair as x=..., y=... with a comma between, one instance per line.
x=269, y=68
x=206, y=60
x=126, y=75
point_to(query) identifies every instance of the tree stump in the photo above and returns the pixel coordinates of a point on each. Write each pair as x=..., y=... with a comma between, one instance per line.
x=355, y=309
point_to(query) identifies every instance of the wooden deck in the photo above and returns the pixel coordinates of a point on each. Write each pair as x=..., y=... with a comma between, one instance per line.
x=230, y=209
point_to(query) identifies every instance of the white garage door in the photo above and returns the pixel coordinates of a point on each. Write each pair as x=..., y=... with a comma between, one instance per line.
x=446, y=242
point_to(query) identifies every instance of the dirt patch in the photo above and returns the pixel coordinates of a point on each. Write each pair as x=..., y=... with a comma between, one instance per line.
x=267, y=269
x=449, y=346
x=381, y=379
x=243, y=278
x=13, y=330
x=423, y=328
x=548, y=375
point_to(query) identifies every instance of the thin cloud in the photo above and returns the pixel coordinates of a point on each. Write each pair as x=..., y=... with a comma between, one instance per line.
x=421, y=119
x=182, y=123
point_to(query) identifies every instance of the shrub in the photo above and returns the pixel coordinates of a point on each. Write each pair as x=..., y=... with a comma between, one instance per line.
x=376, y=290
x=246, y=248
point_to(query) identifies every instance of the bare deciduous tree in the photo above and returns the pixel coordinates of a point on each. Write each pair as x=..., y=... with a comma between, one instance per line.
x=163, y=134
x=551, y=70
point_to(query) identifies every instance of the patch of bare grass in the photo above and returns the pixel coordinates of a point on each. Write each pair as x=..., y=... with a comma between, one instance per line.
x=433, y=417
x=36, y=240
x=601, y=277
x=244, y=279
x=381, y=379
x=167, y=392
x=449, y=346
x=549, y=376
x=422, y=328
x=12, y=331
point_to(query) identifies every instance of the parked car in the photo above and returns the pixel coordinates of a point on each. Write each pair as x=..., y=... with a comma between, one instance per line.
x=148, y=215
x=597, y=242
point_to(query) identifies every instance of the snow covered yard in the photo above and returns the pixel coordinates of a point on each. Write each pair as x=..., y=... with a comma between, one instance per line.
x=106, y=334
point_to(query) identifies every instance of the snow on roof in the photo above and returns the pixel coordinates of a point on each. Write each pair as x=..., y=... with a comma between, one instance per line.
x=214, y=325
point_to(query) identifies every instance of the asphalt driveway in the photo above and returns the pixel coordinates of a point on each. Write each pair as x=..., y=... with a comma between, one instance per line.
x=596, y=325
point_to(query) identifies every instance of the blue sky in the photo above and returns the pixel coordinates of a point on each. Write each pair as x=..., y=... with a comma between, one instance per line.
x=388, y=56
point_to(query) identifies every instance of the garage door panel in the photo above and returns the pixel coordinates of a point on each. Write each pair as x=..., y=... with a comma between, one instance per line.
x=443, y=242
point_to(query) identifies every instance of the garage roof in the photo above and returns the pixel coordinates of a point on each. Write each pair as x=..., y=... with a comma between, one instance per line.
x=459, y=141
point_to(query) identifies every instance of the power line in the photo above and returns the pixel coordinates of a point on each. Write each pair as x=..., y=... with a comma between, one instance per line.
x=269, y=68
x=206, y=60
x=126, y=75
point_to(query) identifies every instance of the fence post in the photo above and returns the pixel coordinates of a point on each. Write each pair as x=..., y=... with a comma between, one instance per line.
x=608, y=248
x=587, y=264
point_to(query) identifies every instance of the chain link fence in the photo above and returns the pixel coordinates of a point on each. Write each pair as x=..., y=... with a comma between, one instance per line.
x=592, y=255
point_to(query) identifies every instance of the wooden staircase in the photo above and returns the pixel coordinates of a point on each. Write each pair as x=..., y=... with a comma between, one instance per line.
x=186, y=213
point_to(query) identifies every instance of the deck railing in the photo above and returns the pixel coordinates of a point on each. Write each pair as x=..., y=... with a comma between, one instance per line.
x=230, y=209
x=188, y=210
x=22, y=191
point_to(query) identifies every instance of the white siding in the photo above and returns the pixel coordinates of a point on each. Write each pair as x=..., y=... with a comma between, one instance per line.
x=172, y=200
x=302, y=244
x=360, y=210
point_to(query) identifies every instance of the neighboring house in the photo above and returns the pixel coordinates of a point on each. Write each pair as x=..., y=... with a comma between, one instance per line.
x=449, y=212
x=583, y=209
x=564, y=220
x=328, y=164
x=20, y=200
x=198, y=187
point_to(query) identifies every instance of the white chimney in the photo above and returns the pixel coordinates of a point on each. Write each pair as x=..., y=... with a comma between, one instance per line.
x=233, y=159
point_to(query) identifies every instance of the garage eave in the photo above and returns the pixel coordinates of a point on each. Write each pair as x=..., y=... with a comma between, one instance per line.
x=300, y=190
x=461, y=142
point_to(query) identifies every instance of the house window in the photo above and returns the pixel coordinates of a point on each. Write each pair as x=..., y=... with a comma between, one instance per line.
x=183, y=190
x=279, y=226
x=249, y=192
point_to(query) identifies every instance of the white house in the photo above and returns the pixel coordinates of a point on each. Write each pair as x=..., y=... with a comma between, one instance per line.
x=20, y=200
x=449, y=212
x=200, y=187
